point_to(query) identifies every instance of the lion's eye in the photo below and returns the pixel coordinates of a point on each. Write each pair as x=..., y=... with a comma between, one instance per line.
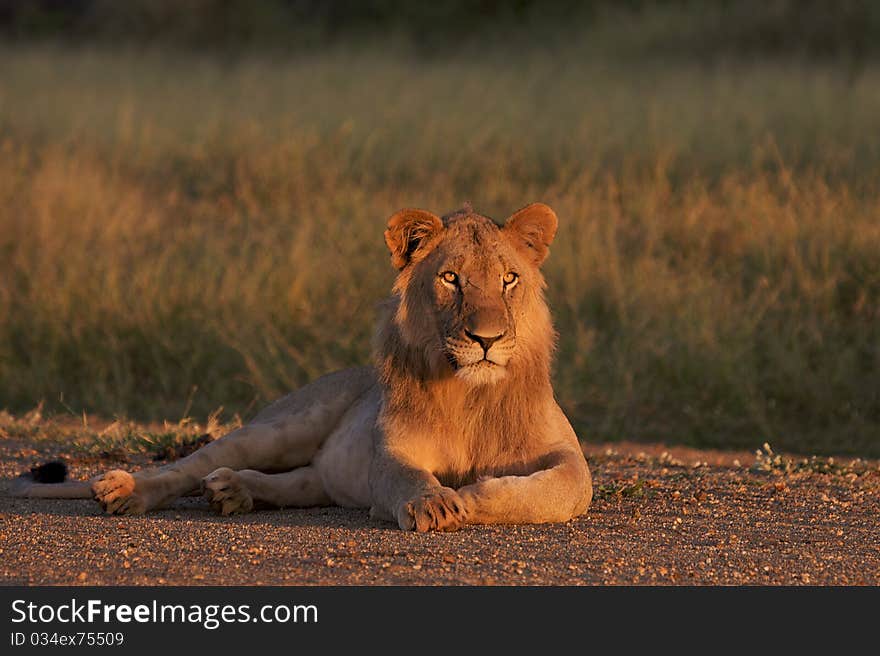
x=510, y=279
x=449, y=277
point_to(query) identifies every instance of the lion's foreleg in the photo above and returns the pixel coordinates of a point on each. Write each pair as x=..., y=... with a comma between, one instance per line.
x=559, y=492
x=412, y=496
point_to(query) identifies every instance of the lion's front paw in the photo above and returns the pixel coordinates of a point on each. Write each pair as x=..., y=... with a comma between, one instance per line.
x=439, y=510
x=226, y=493
x=115, y=491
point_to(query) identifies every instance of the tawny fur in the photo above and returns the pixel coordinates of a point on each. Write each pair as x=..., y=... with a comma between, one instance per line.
x=419, y=381
x=456, y=422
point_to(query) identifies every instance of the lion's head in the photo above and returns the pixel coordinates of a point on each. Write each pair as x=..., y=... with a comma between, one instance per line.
x=468, y=301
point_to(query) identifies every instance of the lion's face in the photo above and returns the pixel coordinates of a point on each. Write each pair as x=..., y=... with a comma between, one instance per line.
x=478, y=285
x=471, y=292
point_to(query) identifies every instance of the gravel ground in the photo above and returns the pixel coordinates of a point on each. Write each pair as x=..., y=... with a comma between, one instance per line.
x=661, y=515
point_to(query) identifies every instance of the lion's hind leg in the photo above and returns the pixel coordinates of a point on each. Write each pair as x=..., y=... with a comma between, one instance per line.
x=285, y=435
x=122, y=493
x=230, y=492
x=115, y=492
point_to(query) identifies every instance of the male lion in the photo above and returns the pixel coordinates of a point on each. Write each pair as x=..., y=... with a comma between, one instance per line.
x=454, y=424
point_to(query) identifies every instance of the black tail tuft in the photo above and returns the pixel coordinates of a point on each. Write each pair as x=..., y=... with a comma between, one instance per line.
x=54, y=471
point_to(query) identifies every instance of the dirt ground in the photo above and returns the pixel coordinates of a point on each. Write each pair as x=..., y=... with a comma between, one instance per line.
x=661, y=515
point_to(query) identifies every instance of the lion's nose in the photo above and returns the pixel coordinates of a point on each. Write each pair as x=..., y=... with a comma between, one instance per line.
x=485, y=341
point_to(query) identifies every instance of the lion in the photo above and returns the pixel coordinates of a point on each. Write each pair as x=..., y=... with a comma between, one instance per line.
x=454, y=424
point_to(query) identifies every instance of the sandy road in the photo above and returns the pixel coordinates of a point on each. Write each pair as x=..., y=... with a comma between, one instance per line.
x=660, y=516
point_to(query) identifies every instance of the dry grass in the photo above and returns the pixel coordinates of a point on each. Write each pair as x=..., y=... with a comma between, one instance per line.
x=89, y=439
x=177, y=228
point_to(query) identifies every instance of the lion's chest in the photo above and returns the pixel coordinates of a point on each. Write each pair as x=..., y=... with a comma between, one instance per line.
x=465, y=457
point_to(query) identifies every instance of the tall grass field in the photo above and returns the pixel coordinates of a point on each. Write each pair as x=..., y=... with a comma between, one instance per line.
x=180, y=232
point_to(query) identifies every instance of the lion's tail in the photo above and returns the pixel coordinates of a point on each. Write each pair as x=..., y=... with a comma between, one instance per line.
x=48, y=481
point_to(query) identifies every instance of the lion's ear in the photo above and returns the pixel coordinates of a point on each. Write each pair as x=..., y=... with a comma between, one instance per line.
x=534, y=227
x=408, y=230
